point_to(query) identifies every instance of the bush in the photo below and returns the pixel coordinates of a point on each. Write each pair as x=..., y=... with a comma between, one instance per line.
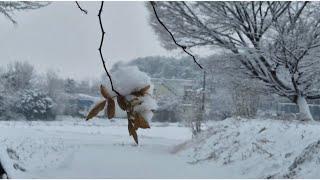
x=34, y=104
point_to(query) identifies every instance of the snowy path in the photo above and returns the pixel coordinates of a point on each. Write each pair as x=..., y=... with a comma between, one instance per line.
x=107, y=160
x=97, y=150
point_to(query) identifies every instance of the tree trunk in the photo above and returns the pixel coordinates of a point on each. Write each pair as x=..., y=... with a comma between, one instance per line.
x=304, y=109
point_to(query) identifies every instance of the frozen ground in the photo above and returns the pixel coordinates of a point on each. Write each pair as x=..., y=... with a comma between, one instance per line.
x=101, y=149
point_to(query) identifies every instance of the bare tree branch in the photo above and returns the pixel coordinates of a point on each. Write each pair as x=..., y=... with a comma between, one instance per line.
x=8, y=8
x=81, y=9
x=172, y=37
x=100, y=52
x=101, y=44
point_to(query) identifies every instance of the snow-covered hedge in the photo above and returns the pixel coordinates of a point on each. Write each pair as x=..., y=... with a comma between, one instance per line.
x=34, y=104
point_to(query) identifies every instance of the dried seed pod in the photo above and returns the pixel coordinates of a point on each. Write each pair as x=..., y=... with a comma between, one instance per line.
x=96, y=109
x=141, y=92
x=135, y=101
x=104, y=92
x=140, y=121
x=111, y=108
x=135, y=136
x=132, y=131
x=122, y=102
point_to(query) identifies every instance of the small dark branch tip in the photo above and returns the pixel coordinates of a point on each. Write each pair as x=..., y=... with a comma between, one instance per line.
x=183, y=47
x=81, y=9
x=153, y=3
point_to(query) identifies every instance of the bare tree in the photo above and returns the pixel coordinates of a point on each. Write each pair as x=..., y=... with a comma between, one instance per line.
x=7, y=8
x=249, y=29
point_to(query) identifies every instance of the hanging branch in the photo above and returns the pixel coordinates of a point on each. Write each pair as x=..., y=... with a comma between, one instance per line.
x=101, y=43
x=83, y=10
x=100, y=52
x=184, y=48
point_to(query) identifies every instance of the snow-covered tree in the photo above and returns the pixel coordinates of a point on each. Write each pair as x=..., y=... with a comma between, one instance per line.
x=2, y=100
x=54, y=87
x=18, y=76
x=230, y=91
x=192, y=110
x=34, y=104
x=249, y=29
x=294, y=53
x=166, y=67
x=70, y=85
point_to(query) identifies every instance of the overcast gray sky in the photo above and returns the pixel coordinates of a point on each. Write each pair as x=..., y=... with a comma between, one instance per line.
x=61, y=38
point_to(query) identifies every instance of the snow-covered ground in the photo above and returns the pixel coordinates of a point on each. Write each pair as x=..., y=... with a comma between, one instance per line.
x=234, y=148
x=74, y=148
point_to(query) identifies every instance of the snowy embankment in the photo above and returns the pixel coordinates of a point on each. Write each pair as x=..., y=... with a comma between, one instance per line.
x=233, y=148
x=257, y=149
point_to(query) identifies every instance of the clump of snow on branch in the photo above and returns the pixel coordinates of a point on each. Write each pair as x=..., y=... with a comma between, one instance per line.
x=133, y=93
x=128, y=79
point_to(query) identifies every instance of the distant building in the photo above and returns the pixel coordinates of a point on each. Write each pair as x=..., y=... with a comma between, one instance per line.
x=82, y=103
x=169, y=94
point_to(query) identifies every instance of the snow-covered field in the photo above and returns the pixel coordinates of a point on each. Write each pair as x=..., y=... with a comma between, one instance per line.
x=73, y=148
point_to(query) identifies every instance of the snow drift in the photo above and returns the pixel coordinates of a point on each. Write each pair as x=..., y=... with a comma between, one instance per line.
x=258, y=148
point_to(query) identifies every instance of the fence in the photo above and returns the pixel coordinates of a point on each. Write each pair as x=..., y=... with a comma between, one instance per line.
x=290, y=108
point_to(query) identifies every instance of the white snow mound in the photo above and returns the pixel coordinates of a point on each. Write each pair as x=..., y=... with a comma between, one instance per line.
x=258, y=148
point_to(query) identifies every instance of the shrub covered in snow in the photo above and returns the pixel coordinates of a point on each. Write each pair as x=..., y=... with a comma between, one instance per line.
x=34, y=104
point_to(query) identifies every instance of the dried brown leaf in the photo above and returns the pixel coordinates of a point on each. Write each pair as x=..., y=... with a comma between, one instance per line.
x=141, y=92
x=122, y=102
x=132, y=131
x=135, y=136
x=111, y=108
x=96, y=109
x=136, y=103
x=140, y=122
x=130, y=126
x=104, y=92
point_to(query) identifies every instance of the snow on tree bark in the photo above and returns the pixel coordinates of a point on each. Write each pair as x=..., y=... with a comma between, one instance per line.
x=304, y=109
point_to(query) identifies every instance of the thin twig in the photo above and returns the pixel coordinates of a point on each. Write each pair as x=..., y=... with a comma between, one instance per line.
x=81, y=9
x=172, y=37
x=100, y=52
